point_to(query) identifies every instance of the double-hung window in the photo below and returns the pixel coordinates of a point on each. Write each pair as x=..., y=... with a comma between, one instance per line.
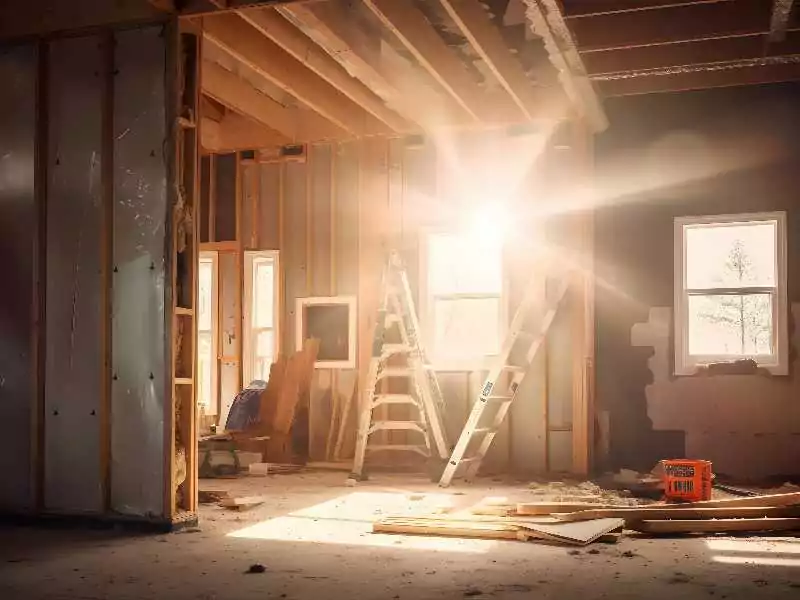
x=730, y=291
x=464, y=300
x=207, y=395
x=260, y=313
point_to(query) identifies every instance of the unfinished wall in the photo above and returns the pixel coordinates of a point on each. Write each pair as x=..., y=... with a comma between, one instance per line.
x=18, y=67
x=84, y=166
x=716, y=152
x=333, y=217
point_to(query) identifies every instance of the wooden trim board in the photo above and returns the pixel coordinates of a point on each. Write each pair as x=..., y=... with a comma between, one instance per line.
x=717, y=526
x=636, y=514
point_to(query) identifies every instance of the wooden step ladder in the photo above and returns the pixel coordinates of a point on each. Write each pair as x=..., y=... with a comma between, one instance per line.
x=403, y=358
x=525, y=336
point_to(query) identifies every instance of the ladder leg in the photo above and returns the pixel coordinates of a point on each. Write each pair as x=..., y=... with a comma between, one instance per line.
x=471, y=469
x=364, y=418
x=463, y=442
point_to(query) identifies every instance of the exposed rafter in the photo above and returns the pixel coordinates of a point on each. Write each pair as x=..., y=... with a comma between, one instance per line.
x=239, y=95
x=547, y=22
x=419, y=37
x=781, y=11
x=608, y=7
x=477, y=27
x=376, y=65
x=235, y=132
x=293, y=41
x=247, y=44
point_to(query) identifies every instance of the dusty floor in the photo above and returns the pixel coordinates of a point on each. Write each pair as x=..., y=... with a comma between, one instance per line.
x=313, y=538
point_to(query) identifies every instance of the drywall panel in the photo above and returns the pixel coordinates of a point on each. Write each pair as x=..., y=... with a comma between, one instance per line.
x=225, y=198
x=269, y=211
x=293, y=253
x=18, y=67
x=139, y=338
x=74, y=368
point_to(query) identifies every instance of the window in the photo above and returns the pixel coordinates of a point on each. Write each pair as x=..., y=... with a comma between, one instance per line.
x=206, y=328
x=730, y=291
x=261, y=313
x=463, y=300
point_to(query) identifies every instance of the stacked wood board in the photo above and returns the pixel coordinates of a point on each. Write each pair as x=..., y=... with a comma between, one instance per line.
x=581, y=524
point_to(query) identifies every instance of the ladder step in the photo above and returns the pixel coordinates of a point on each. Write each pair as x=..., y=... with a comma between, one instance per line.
x=393, y=318
x=470, y=459
x=396, y=425
x=398, y=447
x=499, y=398
x=514, y=368
x=483, y=430
x=395, y=349
x=395, y=372
x=394, y=399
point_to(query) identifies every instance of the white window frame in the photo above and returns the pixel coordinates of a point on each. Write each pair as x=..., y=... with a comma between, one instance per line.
x=427, y=312
x=213, y=258
x=352, y=331
x=249, y=331
x=689, y=365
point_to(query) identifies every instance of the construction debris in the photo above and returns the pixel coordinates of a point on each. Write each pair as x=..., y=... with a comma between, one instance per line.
x=242, y=503
x=583, y=523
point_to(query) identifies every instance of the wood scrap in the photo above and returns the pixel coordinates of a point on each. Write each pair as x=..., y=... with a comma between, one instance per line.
x=716, y=526
x=552, y=508
x=242, y=503
x=211, y=496
x=678, y=512
x=757, y=501
x=578, y=533
x=444, y=527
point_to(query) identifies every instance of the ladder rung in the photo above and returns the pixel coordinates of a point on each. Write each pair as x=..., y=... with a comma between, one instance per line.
x=394, y=447
x=499, y=398
x=395, y=372
x=393, y=318
x=482, y=430
x=394, y=399
x=395, y=349
x=470, y=459
x=387, y=425
x=514, y=368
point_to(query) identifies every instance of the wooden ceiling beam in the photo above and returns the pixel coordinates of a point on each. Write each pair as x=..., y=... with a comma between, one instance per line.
x=672, y=25
x=373, y=63
x=679, y=82
x=688, y=53
x=247, y=44
x=302, y=48
x=418, y=36
x=583, y=9
x=485, y=38
x=239, y=95
x=236, y=132
x=779, y=23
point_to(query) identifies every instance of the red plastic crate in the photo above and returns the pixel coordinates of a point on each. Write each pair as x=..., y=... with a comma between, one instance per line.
x=687, y=480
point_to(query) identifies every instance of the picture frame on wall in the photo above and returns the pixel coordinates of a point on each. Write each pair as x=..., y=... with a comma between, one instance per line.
x=331, y=320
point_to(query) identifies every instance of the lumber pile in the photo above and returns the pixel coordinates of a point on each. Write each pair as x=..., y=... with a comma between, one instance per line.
x=580, y=524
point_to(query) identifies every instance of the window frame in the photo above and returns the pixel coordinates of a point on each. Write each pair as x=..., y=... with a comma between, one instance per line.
x=249, y=332
x=686, y=364
x=352, y=328
x=427, y=311
x=213, y=258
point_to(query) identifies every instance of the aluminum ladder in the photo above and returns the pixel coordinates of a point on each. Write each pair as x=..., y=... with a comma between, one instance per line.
x=525, y=336
x=402, y=358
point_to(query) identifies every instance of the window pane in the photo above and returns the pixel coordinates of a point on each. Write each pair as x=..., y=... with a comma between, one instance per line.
x=263, y=293
x=265, y=348
x=205, y=295
x=205, y=364
x=730, y=325
x=731, y=255
x=466, y=328
x=464, y=265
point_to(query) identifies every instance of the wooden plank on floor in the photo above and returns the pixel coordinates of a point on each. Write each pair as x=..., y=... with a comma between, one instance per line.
x=717, y=526
x=686, y=514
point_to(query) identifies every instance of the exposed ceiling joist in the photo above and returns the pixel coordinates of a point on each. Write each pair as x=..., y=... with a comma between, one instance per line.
x=293, y=41
x=781, y=11
x=366, y=60
x=673, y=55
x=592, y=8
x=548, y=23
x=239, y=95
x=247, y=44
x=419, y=37
x=235, y=132
x=671, y=25
x=477, y=27
x=701, y=79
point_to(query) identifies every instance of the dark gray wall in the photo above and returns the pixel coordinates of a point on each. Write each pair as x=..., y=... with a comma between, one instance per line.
x=700, y=153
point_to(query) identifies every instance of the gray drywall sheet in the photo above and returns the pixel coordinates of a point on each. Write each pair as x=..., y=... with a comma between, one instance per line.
x=18, y=67
x=140, y=370
x=74, y=349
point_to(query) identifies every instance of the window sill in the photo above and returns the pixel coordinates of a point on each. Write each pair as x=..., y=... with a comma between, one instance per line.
x=737, y=367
